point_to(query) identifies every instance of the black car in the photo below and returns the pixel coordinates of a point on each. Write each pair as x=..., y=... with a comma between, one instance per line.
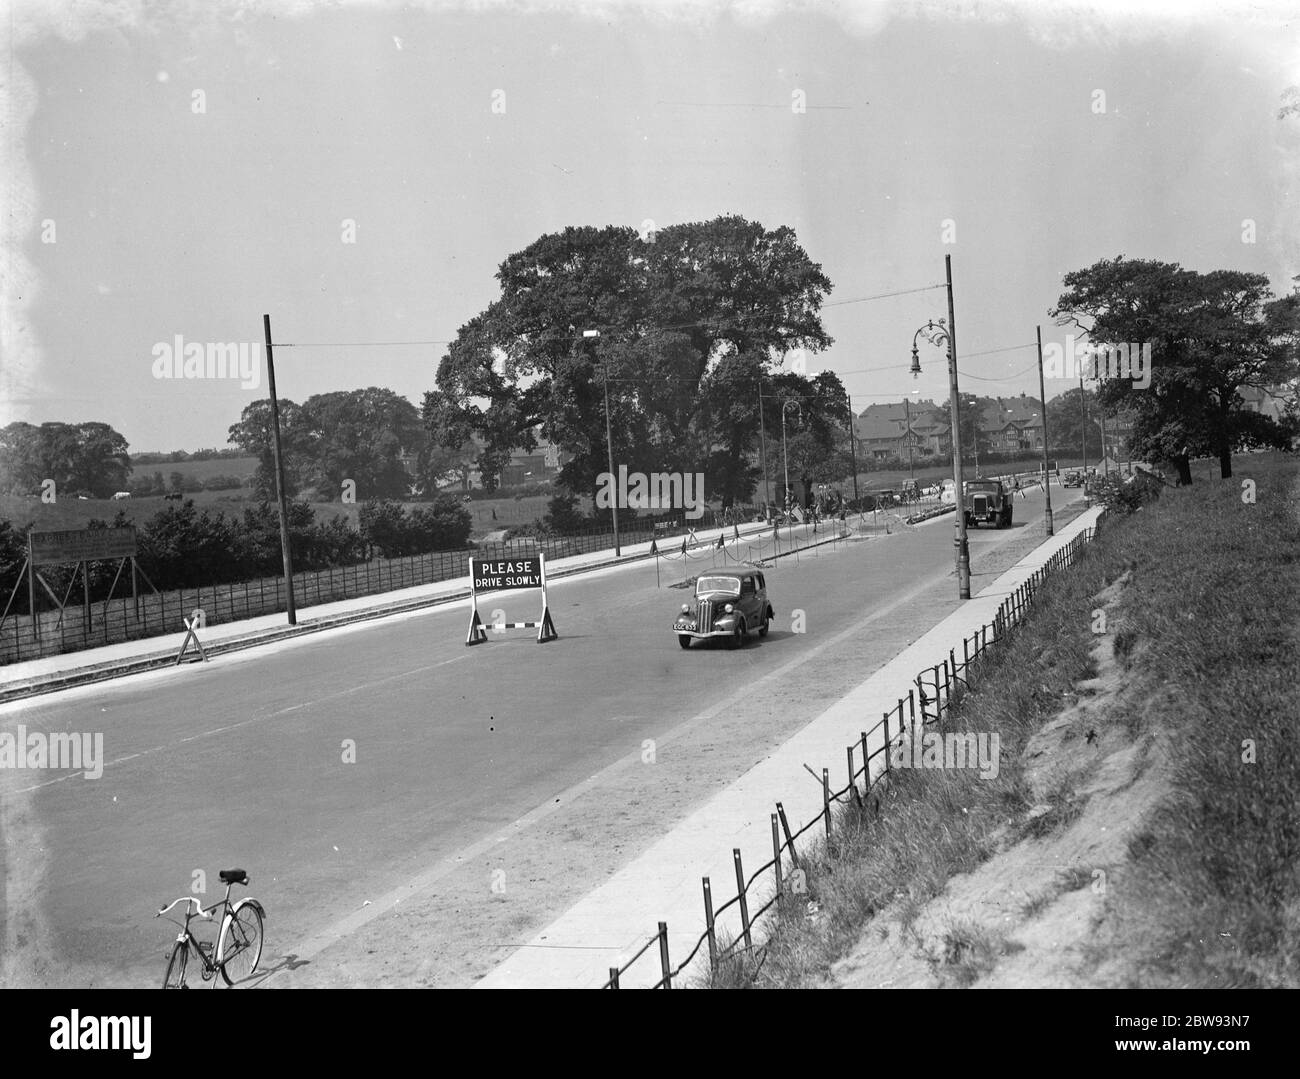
x=727, y=604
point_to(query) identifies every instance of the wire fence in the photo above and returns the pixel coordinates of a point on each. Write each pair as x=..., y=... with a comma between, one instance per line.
x=928, y=701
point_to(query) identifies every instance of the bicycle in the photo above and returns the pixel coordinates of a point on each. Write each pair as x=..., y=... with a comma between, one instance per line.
x=239, y=943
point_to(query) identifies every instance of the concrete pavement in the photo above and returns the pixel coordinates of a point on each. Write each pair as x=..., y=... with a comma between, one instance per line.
x=664, y=883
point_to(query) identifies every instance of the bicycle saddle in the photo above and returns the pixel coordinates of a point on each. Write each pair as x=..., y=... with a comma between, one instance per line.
x=233, y=876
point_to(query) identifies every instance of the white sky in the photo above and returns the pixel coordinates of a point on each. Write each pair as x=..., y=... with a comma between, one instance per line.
x=170, y=222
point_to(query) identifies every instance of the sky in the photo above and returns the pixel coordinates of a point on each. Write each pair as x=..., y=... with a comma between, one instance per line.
x=358, y=170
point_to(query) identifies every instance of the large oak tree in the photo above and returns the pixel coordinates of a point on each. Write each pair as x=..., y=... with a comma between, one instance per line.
x=687, y=322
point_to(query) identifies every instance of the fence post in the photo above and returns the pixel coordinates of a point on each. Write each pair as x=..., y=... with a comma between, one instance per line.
x=789, y=839
x=866, y=765
x=613, y=977
x=664, y=965
x=708, y=924
x=952, y=660
x=886, y=722
x=776, y=854
x=740, y=892
x=826, y=800
x=853, y=783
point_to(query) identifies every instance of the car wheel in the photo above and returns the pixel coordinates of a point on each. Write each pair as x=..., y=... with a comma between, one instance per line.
x=683, y=640
x=767, y=621
x=738, y=635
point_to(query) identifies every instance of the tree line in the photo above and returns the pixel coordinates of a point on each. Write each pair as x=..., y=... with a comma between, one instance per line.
x=688, y=345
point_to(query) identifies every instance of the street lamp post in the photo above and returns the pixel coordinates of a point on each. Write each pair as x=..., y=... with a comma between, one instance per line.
x=609, y=444
x=937, y=333
x=907, y=407
x=784, y=455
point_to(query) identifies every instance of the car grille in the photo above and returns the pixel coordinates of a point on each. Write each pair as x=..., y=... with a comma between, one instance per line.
x=981, y=505
x=706, y=615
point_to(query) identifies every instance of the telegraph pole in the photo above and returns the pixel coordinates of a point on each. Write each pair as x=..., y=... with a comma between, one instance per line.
x=853, y=445
x=762, y=449
x=1042, y=404
x=609, y=442
x=279, y=474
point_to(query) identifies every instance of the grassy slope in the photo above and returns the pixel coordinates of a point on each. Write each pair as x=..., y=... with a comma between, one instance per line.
x=1210, y=894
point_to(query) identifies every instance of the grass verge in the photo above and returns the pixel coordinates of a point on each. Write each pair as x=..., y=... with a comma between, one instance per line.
x=1210, y=894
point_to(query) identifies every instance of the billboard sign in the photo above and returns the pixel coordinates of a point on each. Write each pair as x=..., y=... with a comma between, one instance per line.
x=81, y=545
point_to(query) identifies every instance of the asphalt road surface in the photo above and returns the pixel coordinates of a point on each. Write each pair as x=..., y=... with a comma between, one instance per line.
x=354, y=768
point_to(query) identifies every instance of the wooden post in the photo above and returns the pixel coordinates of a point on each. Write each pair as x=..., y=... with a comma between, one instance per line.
x=789, y=839
x=826, y=801
x=776, y=853
x=31, y=591
x=886, y=722
x=866, y=765
x=708, y=923
x=740, y=892
x=664, y=965
x=281, y=499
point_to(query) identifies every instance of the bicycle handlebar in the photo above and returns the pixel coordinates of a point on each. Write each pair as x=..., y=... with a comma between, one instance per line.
x=198, y=907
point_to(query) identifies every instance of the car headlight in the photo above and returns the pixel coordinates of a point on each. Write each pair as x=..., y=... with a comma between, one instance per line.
x=729, y=608
x=686, y=608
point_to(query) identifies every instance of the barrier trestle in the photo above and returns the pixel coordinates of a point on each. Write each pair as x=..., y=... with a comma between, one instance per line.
x=507, y=575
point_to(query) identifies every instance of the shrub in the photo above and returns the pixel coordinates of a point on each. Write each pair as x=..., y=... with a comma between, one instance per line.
x=562, y=516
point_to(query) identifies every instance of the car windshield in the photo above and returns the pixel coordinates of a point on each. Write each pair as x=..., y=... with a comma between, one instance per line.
x=981, y=485
x=717, y=584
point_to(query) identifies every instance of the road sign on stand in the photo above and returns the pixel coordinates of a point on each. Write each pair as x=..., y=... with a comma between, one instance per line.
x=507, y=575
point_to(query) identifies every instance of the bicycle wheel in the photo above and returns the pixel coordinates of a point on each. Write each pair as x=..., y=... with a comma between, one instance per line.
x=175, y=976
x=241, y=944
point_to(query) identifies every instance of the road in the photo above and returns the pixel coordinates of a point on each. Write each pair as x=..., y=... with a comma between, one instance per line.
x=485, y=787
